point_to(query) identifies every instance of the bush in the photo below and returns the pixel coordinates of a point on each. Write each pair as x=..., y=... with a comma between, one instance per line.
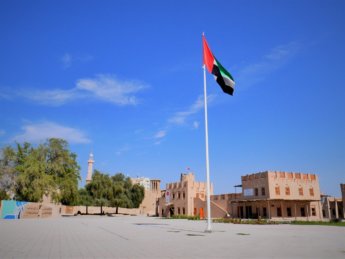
x=185, y=217
x=244, y=221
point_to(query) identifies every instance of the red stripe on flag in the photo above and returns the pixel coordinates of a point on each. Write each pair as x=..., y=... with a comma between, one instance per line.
x=208, y=56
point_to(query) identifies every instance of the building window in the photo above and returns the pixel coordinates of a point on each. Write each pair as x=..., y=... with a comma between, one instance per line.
x=178, y=211
x=173, y=195
x=279, y=212
x=302, y=212
x=300, y=191
x=184, y=195
x=222, y=197
x=277, y=190
x=288, y=212
x=183, y=211
x=256, y=191
x=313, y=211
x=263, y=191
x=311, y=192
x=287, y=190
x=179, y=195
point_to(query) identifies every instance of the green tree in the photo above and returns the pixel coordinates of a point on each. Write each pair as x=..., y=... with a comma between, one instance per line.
x=32, y=181
x=137, y=195
x=85, y=199
x=125, y=194
x=49, y=169
x=63, y=167
x=8, y=173
x=116, y=191
x=100, y=189
x=118, y=198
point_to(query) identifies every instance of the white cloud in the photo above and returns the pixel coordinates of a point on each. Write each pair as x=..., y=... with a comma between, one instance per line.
x=105, y=88
x=109, y=88
x=180, y=118
x=67, y=59
x=276, y=58
x=39, y=132
x=55, y=97
x=283, y=52
x=160, y=134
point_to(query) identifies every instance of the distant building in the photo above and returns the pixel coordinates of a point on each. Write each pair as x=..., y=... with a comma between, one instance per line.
x=271, y=195
x=143, y=181
x=89, y=168
x=278, y=195
x=149, y=205
x=183, y=197
x=333, y=208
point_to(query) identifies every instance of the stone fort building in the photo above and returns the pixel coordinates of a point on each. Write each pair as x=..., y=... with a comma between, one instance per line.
x=269, y=194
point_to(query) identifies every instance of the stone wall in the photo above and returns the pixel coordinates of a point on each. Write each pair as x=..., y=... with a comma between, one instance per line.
x=11, y=209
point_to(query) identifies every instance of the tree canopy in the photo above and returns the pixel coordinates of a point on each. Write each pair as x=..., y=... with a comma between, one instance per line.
x=8, y=172
x=28, y=173
x=116, y=191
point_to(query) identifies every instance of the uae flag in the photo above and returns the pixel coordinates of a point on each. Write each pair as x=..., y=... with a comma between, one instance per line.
x=222, y=76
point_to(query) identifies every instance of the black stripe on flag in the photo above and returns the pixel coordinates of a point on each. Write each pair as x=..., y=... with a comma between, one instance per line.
x=220, y=80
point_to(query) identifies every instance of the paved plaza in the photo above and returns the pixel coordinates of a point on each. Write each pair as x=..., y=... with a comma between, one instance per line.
x=144, y=237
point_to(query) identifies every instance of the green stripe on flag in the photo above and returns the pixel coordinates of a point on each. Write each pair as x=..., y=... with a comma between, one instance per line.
x=224, y=72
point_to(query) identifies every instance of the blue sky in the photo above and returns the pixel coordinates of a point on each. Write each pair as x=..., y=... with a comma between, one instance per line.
x=124, y=79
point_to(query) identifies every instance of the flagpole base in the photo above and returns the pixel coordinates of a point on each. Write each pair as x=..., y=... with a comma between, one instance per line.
x=208, y=228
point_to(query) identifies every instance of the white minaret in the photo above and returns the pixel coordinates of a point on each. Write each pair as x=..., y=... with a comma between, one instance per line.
x=89, y=168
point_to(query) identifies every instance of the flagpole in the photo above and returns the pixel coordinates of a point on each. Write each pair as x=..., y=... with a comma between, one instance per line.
x=208, y=189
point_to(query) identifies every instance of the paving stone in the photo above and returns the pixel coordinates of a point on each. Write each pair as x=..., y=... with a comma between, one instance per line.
x=148, y=237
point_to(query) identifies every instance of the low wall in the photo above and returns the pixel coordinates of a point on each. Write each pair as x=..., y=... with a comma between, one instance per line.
x=11, y=209
x=97, y=210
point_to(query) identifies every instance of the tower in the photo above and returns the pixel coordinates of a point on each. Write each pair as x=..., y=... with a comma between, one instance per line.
x=89, y=168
